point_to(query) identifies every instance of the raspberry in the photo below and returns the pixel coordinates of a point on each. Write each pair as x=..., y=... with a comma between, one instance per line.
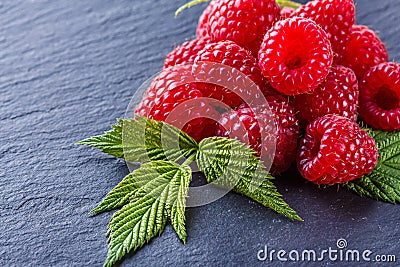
x=287, y=12
x=276, y=121
x=338, y=94
x=186, y=53
x=243, y=21
x=295, y=56
x=336, y=17
x=230, y=54
x=335, y=150
x=202, y=26
x=363, y=51
x=166, y=100
x=380, y=97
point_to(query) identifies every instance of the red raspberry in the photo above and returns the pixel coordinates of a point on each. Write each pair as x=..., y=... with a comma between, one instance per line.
x=287, y=12
x=363, y=51
x=295, y=56
x=230, y=54
x=186, y=53
x=336, y=150
x=380, y=97
x=243, y=21
x=338, y=94
x=260, y=127
x=336, y=17
x=202, y=26
x=166, y=100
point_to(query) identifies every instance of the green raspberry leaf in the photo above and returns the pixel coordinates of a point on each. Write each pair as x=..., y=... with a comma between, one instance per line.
x=383, y=183
x=156, y=193
x=159, y=189
x=119, y=196
x=288, y=3
x=180, y=189
x=135, y=224
x=230, y=163
x=143, y=140
x=189, y=5
x=110, y=142
x=146, y=139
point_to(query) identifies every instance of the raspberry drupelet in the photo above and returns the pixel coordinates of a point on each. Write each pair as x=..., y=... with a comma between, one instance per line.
x=185, y=53
x=335, y=150
x=336, y=17
x=271, y=130
x=363, y=51
x=295, y=56
x=243, y=21
x=338, y=94
x=173, y=99
x=380, y=97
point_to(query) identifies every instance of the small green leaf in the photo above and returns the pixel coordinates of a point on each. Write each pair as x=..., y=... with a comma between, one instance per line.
x=383, y=183
x=119, y=196
x=180, y=189
x=257, y=184
x=159, y=189
x=143, y=140
x=223, y=159
x=146, y=139
x=135, y=225
x=189, y=5
x=229, y=163
x=110, y=142
x=288, y=3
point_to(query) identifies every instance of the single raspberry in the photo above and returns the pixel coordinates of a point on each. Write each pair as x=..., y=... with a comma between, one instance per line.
x=287, y=12
x=186, y=53
x=338, y=94
x=335, y=150
x=168, y=99
x=202, y=26
x=295, y=56
x=243, y=21
x=264, y=128
x=230, y=54
x=363, y=51
x=380, y=97
x=336, y=17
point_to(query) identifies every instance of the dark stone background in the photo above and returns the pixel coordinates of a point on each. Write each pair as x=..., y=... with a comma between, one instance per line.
x=67, y=70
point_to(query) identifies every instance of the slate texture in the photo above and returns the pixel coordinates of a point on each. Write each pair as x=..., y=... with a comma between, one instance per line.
x=67, y=70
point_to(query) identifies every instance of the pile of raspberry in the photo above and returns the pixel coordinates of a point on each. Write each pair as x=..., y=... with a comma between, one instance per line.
x=317, y=72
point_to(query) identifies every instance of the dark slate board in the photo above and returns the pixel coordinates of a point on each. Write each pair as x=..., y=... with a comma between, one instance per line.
x=67, y=70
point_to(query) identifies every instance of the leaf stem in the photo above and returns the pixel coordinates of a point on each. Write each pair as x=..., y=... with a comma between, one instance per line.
x=188, y=160
x=189, y=5
x=288, y=3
